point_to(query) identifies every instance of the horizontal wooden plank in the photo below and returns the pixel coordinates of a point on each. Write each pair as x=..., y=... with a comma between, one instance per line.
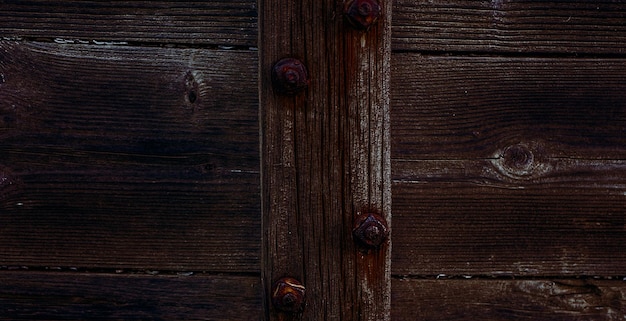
x=511, y=166
x=465, y=229
x=500, y=300
x=461, y=25
x=591, y=27
x=476, y=107
x=81, y=296
x=129, y=157
x=517, y=167
x=173, y=22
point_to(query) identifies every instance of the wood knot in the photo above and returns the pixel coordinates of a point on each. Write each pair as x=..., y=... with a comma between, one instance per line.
x=192, y=89
x=520, y=161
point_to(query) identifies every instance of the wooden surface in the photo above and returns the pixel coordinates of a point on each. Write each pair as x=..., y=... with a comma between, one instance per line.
x=475, y=107
x=70, y=295
x=519, y=26
x=499, y=300
x=213, y=23
x=106, y=161
x=508, y=166
x=325, y=159
x=127, y=164
x=588, y=27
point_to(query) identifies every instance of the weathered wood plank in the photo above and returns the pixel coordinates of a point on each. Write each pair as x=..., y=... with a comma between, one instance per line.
x=467, y=229
x=157, y=22
x=325, y=158
x=462, y=25
x=591, y=27
x=103, y=147
x=499, y=300
x=475, y=107
x=81, y=296
x=511, y=166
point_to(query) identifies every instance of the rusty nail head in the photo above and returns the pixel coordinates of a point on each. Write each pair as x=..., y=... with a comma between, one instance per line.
x=288, y=295
x=370, y=230
x=362, y=14
x=289, y=76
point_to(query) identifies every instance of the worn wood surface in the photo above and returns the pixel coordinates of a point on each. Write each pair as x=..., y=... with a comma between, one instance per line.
x=499, y=300
x=474, y=107
x=325, y=158
x=146, y=22
x=511, y=166
x=118, y=153
x=38, y=295
x=128, y=157
x=519, y=26
x=588, y=27
x=462, y=229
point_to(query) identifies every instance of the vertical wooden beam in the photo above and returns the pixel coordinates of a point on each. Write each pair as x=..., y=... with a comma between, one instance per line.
x=325, y=159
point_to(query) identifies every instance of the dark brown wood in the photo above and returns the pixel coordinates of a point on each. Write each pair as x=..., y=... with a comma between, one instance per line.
x=118, y=152
x=128, y=157
x=475, y=107
x=29, y=295
x=464, y=229
x=325, y=158
x=155, y=22
x=588, y=27
x=461, y=26
x=499, y=300
x=508, y=166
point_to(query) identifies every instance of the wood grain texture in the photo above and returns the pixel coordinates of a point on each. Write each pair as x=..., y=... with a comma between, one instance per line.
x=128, y=157
x=153, y=22
x=499, y=300
x=467, y=229
x=475, y=107
x=80, y=296
x=518, y=26
x=508, y=166
x=325, y=158
x=486, y=26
